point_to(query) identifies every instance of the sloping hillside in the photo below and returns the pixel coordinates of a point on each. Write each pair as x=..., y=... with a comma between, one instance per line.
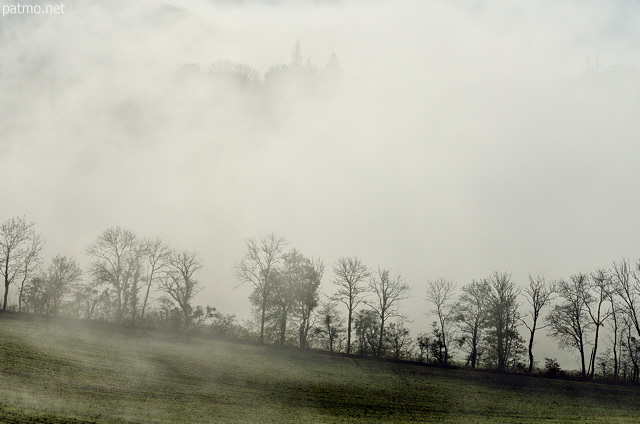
x=73, y=372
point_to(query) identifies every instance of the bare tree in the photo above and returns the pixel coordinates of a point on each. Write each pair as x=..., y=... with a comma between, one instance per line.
x=616, y=317
x=350, y=278
x=157, y=254
x=598, y=290
x=308, y=291
x=45, y=293
x=61, y=275
x=630, y=351
x=569, y=322
x=503, y=317
x=179, y=282
x=30, y=264
x=366, y=324
x=331, y=324
x=116, y=257
x=256, y=266
x=87, y=296
x=294, y=296
x=471, y=317
x=539, y=294
x=440, y=293
x=284, y=297
x=388, y=291
x=35, y=294
x=398, y=341
x=626, y=283
x=16, y=243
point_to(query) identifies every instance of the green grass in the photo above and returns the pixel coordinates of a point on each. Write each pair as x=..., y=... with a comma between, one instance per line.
x=72, y=373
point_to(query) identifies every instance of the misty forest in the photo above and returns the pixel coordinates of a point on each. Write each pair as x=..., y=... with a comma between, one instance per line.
x=257, y=211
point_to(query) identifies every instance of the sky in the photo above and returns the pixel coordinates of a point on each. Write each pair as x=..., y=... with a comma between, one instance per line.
x=462, y=138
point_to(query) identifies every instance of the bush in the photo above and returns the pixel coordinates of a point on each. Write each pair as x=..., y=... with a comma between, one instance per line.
x=551, y=367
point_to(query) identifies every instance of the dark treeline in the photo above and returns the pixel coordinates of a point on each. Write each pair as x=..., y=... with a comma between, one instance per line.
x=297, y=77
x=489, y=323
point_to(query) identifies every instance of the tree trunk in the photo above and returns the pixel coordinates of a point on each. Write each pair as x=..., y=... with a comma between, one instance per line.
x=444, y=342
x=21, y=294
x=302, y=336
x=6, y=295
x=584, y=371
x=264, y=313
x=381, y=338
x=146, y=296
x=592, y=366
x=531, y=351
x=6, y=283
x=283, y=328
x=349, y=330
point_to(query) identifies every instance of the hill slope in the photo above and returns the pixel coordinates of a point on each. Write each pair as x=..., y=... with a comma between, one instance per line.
x=76, y=373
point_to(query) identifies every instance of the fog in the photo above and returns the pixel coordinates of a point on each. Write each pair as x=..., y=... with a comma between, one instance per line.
x=460, y=138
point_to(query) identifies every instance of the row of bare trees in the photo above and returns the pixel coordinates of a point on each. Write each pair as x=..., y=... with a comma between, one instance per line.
x=604, y=301
x=484, y=321
x=124, y=269
x=286, y=287
x=381, y=293
x=286, y=291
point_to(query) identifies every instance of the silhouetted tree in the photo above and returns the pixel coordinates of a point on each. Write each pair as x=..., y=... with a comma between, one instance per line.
x=350, y=279
x=568, y=321
x=387, y=292
x=87, y=297
x=31, y=262
x=437, y=347
x=156, y=255
x=626, y=283
x=472, y=317
x=616, y=317
x=397, y=340
x=116, y=255
x=18, y=241
x=367, y=328
x=630, y=361
x=551, y=367
x=441, y=294
x=503, y=317
x=34, y=296
x=598, y=292
x=539, y=294
x=423, y=341
x=61, y=275
x=308, y=293
x=331, y=325
x=284, y=297
x=180, y=284
x=261, y=257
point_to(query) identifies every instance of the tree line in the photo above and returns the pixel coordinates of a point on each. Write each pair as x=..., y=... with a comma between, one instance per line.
x=490, y=322
x=124, y=269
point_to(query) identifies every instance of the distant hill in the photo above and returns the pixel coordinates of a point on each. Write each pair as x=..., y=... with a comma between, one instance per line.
x=72, y=372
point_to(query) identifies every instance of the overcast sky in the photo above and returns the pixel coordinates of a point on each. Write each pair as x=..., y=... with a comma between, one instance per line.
x=463, y=138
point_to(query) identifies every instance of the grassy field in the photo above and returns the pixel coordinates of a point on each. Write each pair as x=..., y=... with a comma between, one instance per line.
x=72, y=373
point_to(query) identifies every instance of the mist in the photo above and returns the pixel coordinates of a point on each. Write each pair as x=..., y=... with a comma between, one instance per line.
x=458, y=139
